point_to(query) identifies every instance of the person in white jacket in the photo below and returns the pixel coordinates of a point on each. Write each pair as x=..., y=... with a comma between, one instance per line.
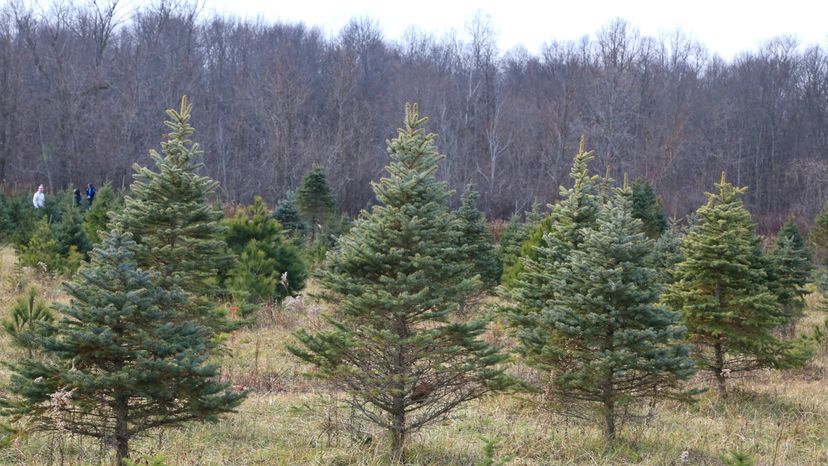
x=39, y=198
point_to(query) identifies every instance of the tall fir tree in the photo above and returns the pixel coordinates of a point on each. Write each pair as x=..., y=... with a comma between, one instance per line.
x=316, y=201
x=477, y=238
x=721, y=290
x=647, y=208
x=565, y=228
x=395, y=280
x=790, y=270
x=268, y=267
x=604, y=337
x=120, y=358
x=176, y=230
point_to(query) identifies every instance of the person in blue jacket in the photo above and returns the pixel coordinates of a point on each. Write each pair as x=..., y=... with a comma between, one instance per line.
x=90, y=193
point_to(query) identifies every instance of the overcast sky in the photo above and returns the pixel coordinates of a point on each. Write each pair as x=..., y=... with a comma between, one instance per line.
x=723, y=26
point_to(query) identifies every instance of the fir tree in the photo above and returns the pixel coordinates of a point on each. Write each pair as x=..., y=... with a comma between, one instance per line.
x=97, y=217
x=522, y=242
x=790, y=269
x=667, y=253
x=476, y=236
x=565, y=228
x=177, y=232
x=514, y=235
x=604, y=337
x=41, y=250
x=267, y=266
x=647, y=208
x=819, y=235
x=288, y=216
x=120, y=356
x=721, y=290
x=395, y=280
x=315, y=201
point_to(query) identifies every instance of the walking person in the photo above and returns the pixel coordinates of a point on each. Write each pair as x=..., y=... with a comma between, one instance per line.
x=39, y=198
x=78, y=197
x=90, y=193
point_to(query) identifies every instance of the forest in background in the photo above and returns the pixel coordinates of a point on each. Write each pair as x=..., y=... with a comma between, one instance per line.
x=81, y=86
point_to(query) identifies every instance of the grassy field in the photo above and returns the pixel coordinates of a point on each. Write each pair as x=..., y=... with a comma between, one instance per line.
x=777, y=418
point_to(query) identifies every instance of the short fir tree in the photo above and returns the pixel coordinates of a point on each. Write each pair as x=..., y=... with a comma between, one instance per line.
x=819, y=236
x=604, y=338
x=120, y=357
x=177, y=232
x=647, y=208
x=268, y=267
x=97, y=217
x=316, y=201
x=721, y=291
x=395, y=280
x=477, y=238
x=287, y=214
x=790, y=270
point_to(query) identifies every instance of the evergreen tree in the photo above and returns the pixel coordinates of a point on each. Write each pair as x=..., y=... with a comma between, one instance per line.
x=41, y=250
x=514, y=235
x=267, y=266
x=667, y=253
x=315, y=201
x=288, y=216
x=23, y=324
x=819, y=236
x=395, y=280
x=721, y=290
x=120, y=356
x=177, y=232
x=97, y=217
x=790, y=269
x=565, y=228
x=476, y=236
x=604, y=337
x=574, y=211
x=647, y=208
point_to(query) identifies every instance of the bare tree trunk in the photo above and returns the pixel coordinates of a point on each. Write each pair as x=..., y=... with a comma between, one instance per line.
x=121, y=428
x=718, y=370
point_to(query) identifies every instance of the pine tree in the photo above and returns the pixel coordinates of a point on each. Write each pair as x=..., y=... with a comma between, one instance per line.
x=395, y=280
x=315, y=201
x=120, y=356
x=790, y=269
x=267, y=267
x=647, y=208
x=604, y=337
x=721, y=290
x=177, y=232
x=288, y=216
x=476, y=236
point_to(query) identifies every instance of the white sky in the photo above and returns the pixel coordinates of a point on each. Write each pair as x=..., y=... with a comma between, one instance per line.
x=726, y=27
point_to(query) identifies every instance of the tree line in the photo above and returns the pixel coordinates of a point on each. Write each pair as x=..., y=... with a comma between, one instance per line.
x=79, y=85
